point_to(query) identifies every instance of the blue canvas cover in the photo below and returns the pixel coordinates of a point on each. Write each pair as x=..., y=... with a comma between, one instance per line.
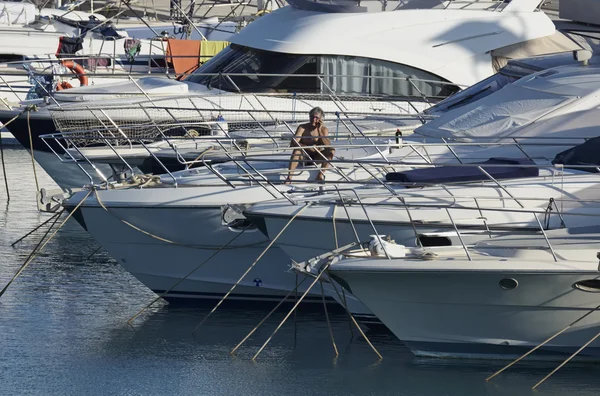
x=503, y=168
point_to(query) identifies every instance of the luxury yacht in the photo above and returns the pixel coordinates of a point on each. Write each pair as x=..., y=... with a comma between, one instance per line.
x=496, y=300
x=520, y=127
x=511, y=144
x=33, y=53
x=202, y=114
x=217, y=199
x=409, y=55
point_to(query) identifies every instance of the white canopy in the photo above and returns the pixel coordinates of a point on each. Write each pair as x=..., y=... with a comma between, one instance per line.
x=536, y=105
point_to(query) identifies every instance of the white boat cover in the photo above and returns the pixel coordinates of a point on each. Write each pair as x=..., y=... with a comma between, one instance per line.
x=13, y=13
x=563, y=98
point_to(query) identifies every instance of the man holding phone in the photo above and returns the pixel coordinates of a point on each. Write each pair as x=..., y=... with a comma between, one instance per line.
x=310, y=139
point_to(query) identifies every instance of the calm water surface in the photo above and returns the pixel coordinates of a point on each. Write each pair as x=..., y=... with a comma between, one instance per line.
x=63, y=331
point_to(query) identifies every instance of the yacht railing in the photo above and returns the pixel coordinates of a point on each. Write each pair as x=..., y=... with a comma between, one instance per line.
x=488, y=5
x=109, y=51
x=231, y=149
x=353, y=196
x=371, y=191
x=244, y=112
x=190, y=151
x=159, y=64
x=537, y=229
x=25, y=76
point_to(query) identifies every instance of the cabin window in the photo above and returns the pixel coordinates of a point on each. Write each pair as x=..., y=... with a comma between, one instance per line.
x=158, y=62
x=434, y=240
x=249, y=62
x=364, y=76
x=340, y=74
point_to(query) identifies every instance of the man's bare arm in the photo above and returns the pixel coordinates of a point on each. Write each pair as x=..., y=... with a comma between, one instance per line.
x=296, y=139
x=324, y=133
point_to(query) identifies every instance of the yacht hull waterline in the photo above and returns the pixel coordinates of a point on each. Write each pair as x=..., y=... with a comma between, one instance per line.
x=136, y=236
x=462, y=314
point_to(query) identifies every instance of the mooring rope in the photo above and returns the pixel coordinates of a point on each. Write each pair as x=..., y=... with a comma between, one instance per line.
x=252, y=265
x=26, y=109
x=327, y=318
x=37, y=184
x=37, y=228
x=566, y=361
x=4, y=169
x=543, y=343
x=159, y=238
x=293, y=309
x=161, y=295
x=345, y=305
x=33, y=256
x=294, y=290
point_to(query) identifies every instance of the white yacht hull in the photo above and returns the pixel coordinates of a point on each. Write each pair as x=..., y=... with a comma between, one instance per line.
x=319, y=236
x=468, y=315
x=162, y=244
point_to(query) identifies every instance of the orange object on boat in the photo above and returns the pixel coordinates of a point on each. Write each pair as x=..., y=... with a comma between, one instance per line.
x=78, y=70
x=184, y=55
x=63, y=85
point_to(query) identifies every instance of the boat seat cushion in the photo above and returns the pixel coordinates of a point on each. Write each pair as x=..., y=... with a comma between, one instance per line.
x=498, y=168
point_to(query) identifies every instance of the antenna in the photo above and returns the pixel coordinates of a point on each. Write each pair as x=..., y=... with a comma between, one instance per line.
x=582, y=56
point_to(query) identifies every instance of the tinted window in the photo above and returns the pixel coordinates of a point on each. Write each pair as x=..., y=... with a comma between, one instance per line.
x=248, y=61
x=339, y=74
x=364, y=76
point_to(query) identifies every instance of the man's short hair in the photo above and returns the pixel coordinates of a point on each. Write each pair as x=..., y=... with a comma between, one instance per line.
x=316, y=110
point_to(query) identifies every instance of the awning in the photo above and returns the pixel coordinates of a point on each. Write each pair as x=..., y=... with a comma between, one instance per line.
x=553, y=44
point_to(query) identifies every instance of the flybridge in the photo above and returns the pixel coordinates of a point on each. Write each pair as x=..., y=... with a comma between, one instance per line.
x=358, y=6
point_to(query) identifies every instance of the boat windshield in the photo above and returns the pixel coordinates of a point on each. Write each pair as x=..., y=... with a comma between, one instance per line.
x=473, y=93
x=583, y=157
x=514, y=70
x=244, y=69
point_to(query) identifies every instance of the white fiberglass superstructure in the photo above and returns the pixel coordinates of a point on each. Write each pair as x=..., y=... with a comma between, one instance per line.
x=105, y=53
x=498, y=299
x=295, y=51
x=111, y=48
x=532, y=119
x=207, y=189
x=459, y=44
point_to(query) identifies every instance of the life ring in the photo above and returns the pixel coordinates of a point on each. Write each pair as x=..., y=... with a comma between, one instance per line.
x=78, y=70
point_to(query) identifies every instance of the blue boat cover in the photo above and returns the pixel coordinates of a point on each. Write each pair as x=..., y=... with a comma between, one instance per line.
x=456, y=174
